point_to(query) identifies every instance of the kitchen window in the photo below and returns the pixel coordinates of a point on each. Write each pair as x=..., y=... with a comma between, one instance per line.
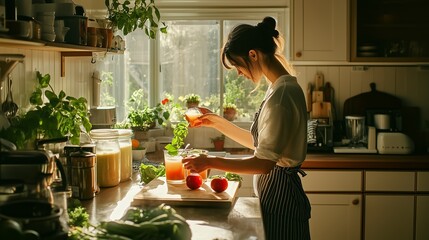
x=185, y=60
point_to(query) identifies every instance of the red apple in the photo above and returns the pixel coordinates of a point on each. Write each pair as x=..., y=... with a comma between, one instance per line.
x=194, y=181
x=219, y=184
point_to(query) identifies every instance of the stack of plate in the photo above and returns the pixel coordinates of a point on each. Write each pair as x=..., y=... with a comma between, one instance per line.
x=368, y=51
x=46, y=20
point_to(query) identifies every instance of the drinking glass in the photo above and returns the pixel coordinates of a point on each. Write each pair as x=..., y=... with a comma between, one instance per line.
x=192, y=115
x=174, y=170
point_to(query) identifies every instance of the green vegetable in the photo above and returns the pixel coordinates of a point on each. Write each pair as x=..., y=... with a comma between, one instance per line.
x=179, y=134
x=149, y=172
x=129, y=229
x=230, y=176
x=78, y=217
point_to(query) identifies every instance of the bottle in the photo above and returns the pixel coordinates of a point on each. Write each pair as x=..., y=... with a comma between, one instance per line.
x=125, y=145
x=108, y=154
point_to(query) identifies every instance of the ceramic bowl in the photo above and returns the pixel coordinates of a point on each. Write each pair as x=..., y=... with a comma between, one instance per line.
x=138, y=155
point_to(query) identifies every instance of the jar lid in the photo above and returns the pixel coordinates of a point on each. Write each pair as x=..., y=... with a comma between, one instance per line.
x=82, y=153
x=125, y=132
x=355, y=117
x=104, y=133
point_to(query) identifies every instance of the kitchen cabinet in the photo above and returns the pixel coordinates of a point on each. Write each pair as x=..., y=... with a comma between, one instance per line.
x=389, y=31
x=336, y=203
x=389, y=217
x=396, y=205
x=368, y=204
x=335, y=216
x=320, y=30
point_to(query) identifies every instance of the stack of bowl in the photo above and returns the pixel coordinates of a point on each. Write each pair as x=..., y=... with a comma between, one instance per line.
x=47, y=23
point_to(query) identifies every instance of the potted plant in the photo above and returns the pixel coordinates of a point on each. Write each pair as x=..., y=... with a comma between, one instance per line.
x=58, y=117
x=192, y=100
x=229, y=111
x=218, y=142
x=141, y=14
x=141, y=117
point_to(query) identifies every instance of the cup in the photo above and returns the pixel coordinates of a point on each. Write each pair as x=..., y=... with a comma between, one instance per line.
x=174, y=170
x=192, y=115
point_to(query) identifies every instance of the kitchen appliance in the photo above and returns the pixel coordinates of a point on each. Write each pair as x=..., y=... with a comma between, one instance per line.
x=29, y=185
x=385, y=120
x=357, y=137
x=394, y=143
x=102, y=117
x=355, y=129
x=370, y=104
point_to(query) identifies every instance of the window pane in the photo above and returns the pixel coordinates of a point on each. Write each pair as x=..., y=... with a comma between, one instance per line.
x=240, y=90
x=137, y=67
x=189, y=58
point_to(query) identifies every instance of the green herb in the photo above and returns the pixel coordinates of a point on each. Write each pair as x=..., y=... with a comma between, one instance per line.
x=78, y=217
x=149, y=172
x=230, y=176
x=180, y=132
x=60, y=116
x=142, y=15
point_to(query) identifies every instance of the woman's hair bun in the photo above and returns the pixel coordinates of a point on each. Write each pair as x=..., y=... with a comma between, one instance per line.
x=269, y=25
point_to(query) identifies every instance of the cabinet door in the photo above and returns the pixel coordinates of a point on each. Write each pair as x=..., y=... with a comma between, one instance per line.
x=335, y=216
x=320, y=30
x=422, y=218
x=389, y=217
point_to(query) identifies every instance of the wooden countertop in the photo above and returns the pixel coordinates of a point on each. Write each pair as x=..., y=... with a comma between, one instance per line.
x=346, y=160
x=366, y=161
x=241, y=221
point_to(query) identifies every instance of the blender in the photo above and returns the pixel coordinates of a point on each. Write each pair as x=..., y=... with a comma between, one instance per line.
x=356, y=138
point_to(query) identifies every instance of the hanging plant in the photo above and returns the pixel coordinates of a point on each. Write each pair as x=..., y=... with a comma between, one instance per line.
x=128, y=17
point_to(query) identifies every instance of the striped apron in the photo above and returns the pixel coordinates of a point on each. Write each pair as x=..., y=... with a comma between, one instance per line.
x=284, y=205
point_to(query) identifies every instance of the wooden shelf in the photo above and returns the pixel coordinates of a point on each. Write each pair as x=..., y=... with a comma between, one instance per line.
x=66, y=49
x=46, y=46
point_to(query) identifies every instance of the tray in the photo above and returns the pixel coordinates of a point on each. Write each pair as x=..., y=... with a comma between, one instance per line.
x=159, y=191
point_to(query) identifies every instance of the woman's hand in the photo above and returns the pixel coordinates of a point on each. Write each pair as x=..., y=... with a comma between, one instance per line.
x=196, y=164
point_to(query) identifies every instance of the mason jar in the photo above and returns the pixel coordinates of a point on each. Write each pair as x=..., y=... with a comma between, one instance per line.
x=108, y=154
x=125, y=144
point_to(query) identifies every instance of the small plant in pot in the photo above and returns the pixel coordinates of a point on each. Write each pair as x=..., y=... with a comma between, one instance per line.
x=229, y=111
x=218, y=142
x=191, y=100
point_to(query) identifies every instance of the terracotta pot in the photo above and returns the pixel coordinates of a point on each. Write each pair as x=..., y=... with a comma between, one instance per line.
x=229, y=113
x=218, y=145
x=192, y=104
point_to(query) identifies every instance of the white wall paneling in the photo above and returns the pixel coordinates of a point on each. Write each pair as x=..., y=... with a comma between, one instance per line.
x=77, y=82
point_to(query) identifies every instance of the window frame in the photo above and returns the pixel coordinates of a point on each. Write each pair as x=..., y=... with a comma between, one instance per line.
x=219, y=14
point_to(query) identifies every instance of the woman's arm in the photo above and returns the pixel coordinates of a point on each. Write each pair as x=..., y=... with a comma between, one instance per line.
x=247, y=165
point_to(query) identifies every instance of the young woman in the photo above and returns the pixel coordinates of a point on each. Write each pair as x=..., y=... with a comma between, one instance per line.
x=278, y=134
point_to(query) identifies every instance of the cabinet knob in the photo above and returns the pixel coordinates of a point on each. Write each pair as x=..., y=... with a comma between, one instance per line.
x=355, y=202
x=298, y=54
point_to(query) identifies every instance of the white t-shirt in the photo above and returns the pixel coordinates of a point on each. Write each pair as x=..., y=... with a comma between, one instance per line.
x=282, y=124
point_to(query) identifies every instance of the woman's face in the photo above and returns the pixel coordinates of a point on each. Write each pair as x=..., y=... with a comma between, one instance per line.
x=252, y=72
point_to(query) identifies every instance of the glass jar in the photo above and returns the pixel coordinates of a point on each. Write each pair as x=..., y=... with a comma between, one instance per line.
x=125, y=144
x=108, y=156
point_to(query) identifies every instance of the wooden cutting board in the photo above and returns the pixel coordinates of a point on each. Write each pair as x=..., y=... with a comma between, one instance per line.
x=159, y=191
